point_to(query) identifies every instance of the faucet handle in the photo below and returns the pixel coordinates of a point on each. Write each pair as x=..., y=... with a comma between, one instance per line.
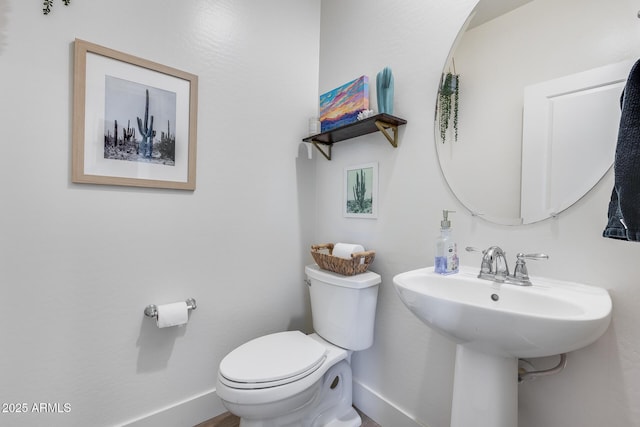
x=521, y=256
x=485, y=267
x=520, y=272
x=472, y=249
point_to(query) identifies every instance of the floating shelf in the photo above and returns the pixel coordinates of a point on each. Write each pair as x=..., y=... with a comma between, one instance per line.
x=380, y=122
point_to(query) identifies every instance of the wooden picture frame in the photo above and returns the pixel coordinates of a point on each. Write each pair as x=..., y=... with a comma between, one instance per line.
x=157, y=104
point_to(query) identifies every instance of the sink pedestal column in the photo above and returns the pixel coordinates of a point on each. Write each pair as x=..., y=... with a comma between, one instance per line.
x=485, y=390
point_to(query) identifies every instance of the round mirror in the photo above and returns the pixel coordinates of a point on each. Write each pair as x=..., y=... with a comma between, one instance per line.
x=529, y=104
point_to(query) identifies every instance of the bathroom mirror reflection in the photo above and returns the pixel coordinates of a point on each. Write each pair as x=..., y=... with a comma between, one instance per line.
x=539, y=83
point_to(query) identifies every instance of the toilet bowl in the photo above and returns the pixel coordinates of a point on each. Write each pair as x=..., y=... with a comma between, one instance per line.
x=292, y=379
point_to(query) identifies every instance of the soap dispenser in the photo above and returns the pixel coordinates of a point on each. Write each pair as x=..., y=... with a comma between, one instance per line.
x=446, y=261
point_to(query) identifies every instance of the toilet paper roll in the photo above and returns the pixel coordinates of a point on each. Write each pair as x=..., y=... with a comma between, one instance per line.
x=344, y=250
x=172, y=314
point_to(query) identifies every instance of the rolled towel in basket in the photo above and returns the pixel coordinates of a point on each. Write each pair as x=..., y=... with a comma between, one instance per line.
x=344, y=250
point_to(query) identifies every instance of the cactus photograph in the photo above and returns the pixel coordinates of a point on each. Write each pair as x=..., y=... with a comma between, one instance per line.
x=134, y=120
x=138, y=124
x=360, y=192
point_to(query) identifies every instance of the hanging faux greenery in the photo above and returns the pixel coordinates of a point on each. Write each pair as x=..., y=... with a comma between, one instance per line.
x=48, y=4
x=448, y=105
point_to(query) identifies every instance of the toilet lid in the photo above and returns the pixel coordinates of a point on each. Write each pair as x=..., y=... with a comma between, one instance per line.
x=272, y=358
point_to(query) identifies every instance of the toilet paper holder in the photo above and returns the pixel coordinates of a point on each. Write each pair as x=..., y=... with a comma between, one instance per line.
x=152, y=310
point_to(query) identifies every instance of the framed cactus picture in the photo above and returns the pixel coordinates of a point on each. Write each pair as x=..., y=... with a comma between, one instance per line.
x=134, y=121
x=361, y=191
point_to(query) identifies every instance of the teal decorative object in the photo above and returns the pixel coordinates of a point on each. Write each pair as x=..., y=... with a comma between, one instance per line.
x=384, y=88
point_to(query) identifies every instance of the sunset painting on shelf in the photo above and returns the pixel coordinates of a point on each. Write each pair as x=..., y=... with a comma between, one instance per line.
x=341, y=106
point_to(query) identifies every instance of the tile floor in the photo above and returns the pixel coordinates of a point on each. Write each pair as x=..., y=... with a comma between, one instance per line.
x=230, y=420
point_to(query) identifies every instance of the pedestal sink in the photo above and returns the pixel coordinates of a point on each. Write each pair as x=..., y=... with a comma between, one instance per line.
x=494, y=325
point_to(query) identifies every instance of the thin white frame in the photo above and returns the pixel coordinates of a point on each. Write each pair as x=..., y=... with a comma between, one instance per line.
x=347, y=191
x=92, y=63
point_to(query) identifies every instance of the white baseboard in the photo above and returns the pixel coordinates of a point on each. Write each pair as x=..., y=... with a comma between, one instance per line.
x=379, y=409
x=207, y=405
x=188, y=412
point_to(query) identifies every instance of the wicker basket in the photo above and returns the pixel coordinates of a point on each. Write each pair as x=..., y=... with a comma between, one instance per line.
x=359, y=262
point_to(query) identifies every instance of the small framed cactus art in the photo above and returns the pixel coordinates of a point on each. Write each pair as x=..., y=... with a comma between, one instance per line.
x=361, y=191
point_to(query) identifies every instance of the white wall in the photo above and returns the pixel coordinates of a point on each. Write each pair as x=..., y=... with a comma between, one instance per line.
x=78, y=263
x=410, y=367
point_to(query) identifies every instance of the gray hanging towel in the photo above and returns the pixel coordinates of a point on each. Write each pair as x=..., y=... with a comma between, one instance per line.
x=624, y=207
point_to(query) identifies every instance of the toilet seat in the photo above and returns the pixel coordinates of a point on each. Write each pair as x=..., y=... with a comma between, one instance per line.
x=266, y=394
x=272, y=360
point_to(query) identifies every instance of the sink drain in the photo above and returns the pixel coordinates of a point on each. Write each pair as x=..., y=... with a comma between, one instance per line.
x=495, y=297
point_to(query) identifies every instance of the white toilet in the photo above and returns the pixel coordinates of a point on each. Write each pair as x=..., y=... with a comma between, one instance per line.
x=293, y=379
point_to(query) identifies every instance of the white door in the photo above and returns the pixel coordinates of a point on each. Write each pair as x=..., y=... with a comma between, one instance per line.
x=570, y=129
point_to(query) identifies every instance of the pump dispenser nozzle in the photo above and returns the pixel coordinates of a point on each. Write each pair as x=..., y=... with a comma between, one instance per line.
x=445, y=223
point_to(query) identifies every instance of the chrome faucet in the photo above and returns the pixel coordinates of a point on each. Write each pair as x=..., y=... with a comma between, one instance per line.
x=494, y=266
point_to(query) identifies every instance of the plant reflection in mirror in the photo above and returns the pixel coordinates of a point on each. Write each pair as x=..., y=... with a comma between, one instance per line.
x=448, y=105
x=48, y=4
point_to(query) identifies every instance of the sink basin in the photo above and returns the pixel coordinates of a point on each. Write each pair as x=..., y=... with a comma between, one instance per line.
x=495, y=324
x=550, y=317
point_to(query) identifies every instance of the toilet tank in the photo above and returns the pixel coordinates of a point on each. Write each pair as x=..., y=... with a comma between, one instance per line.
x=343, y=307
